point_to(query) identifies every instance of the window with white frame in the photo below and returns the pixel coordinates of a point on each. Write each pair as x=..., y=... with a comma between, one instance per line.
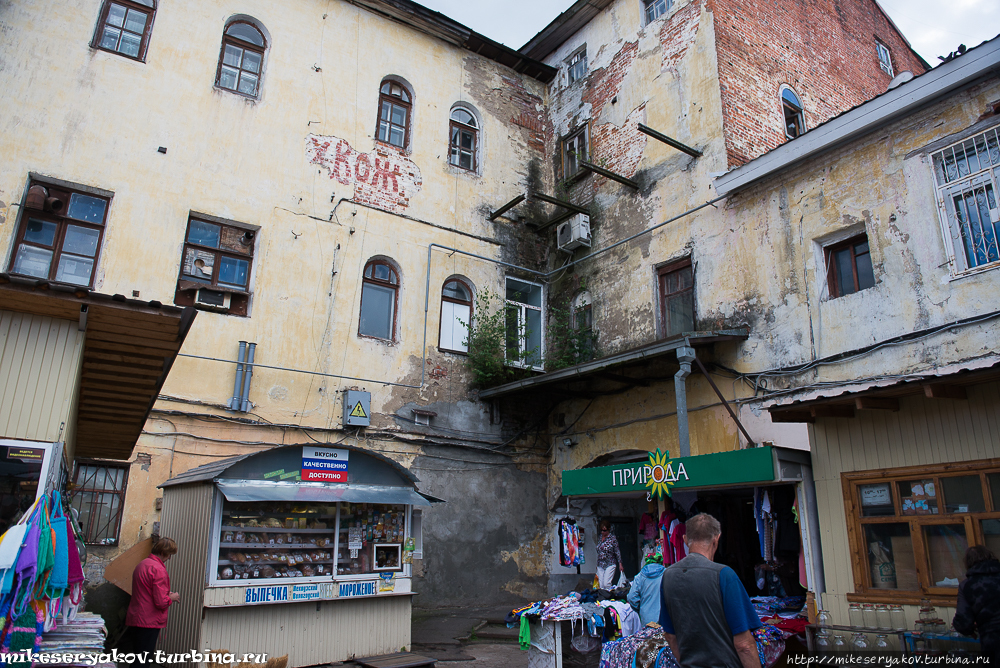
x=884, y=57
x=795, y=122
x=524, y=335
x=456, y=314
x=576, y=65
x=966, y=176
x=654, y=9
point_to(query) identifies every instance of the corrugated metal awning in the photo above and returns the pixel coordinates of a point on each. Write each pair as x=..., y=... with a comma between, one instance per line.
x=260, y=490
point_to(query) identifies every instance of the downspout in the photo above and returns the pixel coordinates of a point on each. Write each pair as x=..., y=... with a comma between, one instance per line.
x=685, y=355
x=237, y=401
x=809, y=512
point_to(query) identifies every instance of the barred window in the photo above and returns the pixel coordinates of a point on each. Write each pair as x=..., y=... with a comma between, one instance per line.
x=99, y=496
x=966, y=175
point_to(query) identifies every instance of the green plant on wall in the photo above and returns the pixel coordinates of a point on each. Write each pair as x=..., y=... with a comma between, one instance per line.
x=495, y=342
x=572, y=339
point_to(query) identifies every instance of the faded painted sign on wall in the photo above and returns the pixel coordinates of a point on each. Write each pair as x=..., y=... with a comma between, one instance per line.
x=385, y=178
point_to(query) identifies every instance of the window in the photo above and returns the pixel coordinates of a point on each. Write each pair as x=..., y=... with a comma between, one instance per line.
x=523, y=312
x=654, y=9
x=849, y=266
x=242, y=57
x=99, y=495
x=966, y=175
x=911, y=526
x=574, y=150
x=677, y=297
x=464, y=131
x=394, y=114
x=378, y=300
x=124, y=27
x=456, y=315
x=59, y=238
x=795, y=123
x=884, y=57
x=216, y=264
x=576, y=65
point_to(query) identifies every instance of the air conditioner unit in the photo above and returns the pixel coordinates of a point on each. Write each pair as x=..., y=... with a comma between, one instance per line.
x=213, y=299
x=574, y=233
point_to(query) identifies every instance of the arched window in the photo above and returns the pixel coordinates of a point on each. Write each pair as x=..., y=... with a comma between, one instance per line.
x=795, y=124
x=464, y=131
x=378, y=300
x=241, y=59
x=394, y=114
x=456, y=315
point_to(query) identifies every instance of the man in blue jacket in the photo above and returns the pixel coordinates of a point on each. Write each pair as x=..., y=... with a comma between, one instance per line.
x=644, y=596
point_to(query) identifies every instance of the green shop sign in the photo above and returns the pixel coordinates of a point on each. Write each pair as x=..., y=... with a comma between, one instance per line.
x=660, y=474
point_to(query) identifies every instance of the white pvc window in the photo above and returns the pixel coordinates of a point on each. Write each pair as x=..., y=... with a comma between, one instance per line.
x=524, y=331
x=654, y=9
x=884, y=57
x=456, y=314
x=966, y=176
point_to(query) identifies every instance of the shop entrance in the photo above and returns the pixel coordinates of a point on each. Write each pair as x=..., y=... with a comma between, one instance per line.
x=18, y=482
x=624, y=529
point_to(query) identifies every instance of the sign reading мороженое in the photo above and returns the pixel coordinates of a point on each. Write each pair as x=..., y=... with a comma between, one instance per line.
x=324, y=464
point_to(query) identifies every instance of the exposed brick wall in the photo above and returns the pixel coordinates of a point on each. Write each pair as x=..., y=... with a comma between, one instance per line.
x=823, y=49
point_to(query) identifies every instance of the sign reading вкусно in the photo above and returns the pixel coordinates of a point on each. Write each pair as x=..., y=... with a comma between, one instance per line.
x=324, y=464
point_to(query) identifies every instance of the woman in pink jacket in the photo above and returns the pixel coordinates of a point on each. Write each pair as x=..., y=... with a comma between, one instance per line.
x=151, y=597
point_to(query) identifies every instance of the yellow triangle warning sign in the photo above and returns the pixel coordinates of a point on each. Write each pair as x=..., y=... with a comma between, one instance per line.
x=359, y=411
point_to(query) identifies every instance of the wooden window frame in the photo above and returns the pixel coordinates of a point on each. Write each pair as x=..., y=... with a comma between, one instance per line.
x=584, y=132
x=400, y=102
x=385, y=284
x=62, y=221
x=88, y=530
x=146, y=32
x=661, y=280
x=578, y=56
x=454, y=125
x=790, y=110
x=860, y=566
x=649, y=9
x=452, y=300
x=187, y=286
x=228, y=39
x=831, y=269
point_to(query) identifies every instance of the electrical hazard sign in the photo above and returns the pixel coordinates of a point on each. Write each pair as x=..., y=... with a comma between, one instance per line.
x=357, y=408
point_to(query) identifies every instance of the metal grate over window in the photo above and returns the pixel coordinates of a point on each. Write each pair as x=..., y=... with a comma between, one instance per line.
x=99, y=497
x=966, y=175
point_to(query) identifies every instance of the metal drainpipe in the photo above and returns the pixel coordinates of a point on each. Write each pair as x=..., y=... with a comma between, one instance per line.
x=237, y=400
x=811, y=512
x=247, y=375
x=685, y=355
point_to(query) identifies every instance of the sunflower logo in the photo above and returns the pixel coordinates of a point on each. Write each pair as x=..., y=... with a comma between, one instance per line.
x=658, y=477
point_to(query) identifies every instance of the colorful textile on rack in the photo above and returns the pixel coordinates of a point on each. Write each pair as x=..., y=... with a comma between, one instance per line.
x=570, y=553
x=769, y=606
x=666, y=659
x=649, y=650
x=524, y=634
x=793, y=626
x=770, y=644
x=647, y=526
x=620, y=653
x=561, y=608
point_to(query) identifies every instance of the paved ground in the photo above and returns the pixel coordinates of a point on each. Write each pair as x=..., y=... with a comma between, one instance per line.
x=491, y=655
x=473, y=637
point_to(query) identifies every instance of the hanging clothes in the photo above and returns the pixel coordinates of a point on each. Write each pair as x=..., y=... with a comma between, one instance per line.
x=647, y=526
x=570, y=553
x=677, y=534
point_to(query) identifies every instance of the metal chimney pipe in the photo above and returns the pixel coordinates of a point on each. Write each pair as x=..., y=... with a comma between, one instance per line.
x=247, y=375
x=237, y=400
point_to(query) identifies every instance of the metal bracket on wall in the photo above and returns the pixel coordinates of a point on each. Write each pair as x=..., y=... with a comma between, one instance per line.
x=693, y=152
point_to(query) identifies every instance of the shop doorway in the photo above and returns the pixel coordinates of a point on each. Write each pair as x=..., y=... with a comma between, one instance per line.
x=19, y=475
x=627, y=533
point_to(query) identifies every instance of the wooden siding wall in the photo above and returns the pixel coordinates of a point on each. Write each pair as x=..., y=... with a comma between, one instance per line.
x=923, y=432
x=312, y=633
x=40, y=360
x=187, y=518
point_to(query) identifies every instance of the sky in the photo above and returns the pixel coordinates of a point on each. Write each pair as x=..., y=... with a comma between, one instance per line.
x=934, y=27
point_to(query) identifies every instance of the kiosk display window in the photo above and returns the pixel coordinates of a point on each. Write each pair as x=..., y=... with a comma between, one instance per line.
x=368, y=533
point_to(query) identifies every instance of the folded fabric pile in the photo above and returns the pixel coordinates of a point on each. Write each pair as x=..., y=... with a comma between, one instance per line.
x=769, y=606
x=563, y=608
x=639, y=646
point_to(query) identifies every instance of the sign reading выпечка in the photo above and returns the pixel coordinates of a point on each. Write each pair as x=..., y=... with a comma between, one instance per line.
x=324, y=464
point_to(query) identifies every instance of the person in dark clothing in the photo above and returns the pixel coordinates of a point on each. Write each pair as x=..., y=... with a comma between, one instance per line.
x=979, y=600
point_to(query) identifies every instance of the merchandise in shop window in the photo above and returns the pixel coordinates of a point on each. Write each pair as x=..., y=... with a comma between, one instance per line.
x=362, y=525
